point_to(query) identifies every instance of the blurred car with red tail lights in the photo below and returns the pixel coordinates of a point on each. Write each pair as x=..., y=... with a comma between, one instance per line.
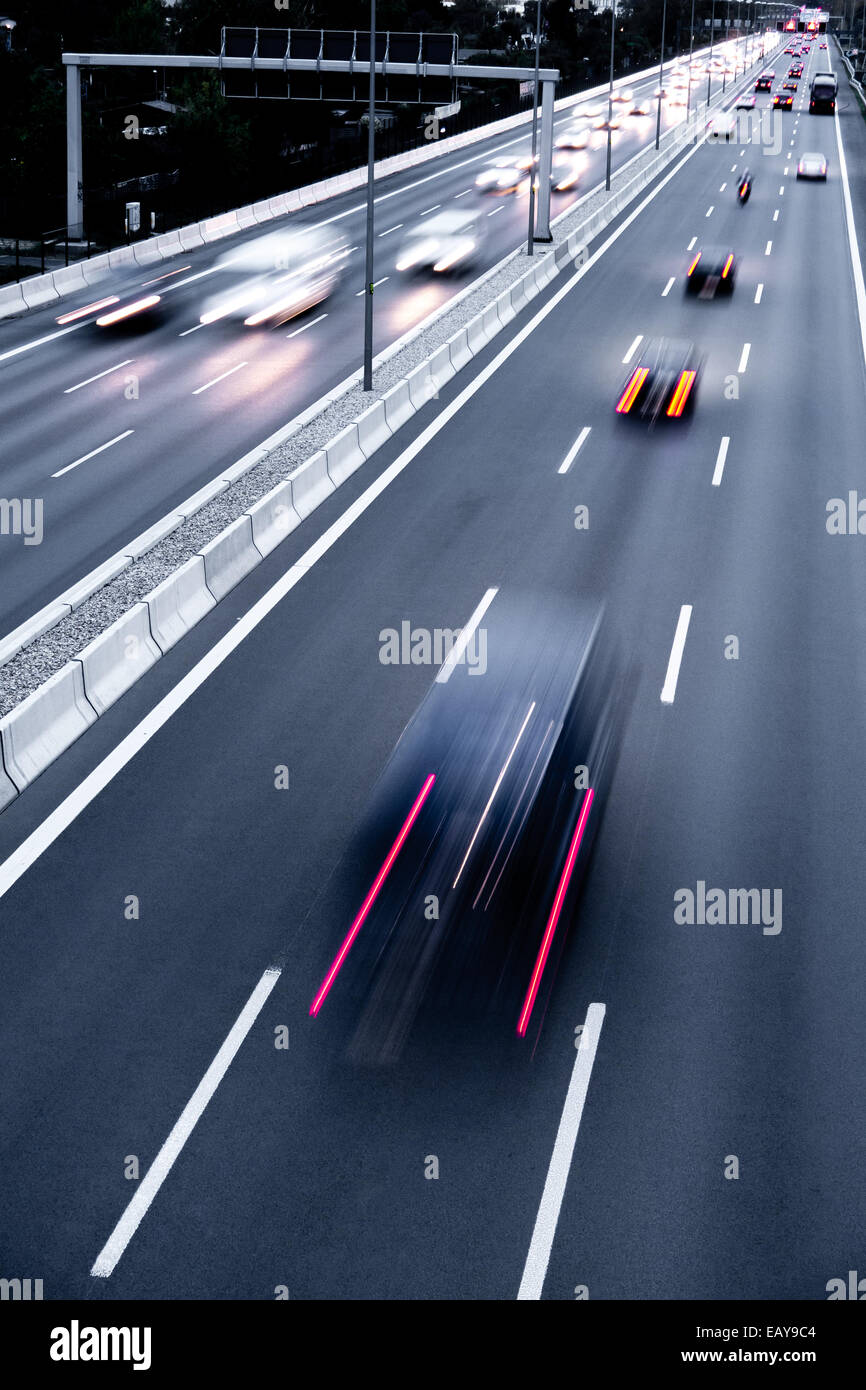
x=466, y=869
x=273, y=278
x=664, y=382
x=711, y=271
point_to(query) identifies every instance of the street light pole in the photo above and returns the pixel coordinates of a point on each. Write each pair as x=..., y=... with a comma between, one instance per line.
x=710, y=63
x=661, y=75
x=610, y=91
x=371, y=162
x=691, y=51
x=530, y=246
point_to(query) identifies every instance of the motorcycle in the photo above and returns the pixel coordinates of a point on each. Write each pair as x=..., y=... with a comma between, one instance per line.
x=744, y=188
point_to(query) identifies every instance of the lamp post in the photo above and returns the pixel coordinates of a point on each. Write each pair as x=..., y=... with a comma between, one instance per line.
x=610, y=91
x=691, y=51
x=6, y=27
x=530, y=246
x=710, y=63
x=371, y=162
x=661, y=76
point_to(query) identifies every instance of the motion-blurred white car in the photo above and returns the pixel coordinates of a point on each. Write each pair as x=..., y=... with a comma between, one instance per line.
x=504, y=178
x=440, y=243
x=574, y=137
x=275, y=277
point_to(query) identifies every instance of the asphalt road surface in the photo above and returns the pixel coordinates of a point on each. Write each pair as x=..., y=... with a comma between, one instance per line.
x=716, y=1042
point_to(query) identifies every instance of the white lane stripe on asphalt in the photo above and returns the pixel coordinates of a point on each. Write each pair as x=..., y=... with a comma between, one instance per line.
x=723, y=187
x=538, y=1257
x=776, y=215
x=397, y=225
x=304, y=326
x=98, y=376
x=194, y=329
x=708, y=211
x=782, y=191
x=465, y=637
x=758, y=292
x=358, y=293
x=634, y=347
x=37, y=342
x=92, y=455
x=433, y=209
x=853, y=245
x=691, y=243
x=669, y=689
x=16, y=864
x=230, y=372
x=106, y=1261
x=457, y=195
x=720, y=460
x=574, y=450
x=744, y=357
x=668, y=287
x=769, y=244
x=501, y=207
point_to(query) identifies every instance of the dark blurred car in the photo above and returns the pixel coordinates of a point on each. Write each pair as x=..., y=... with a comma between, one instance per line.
x=789, y=86
x=765, y=81
x=664, y=381
x=783, y=100
x=466, y=868
x=712, y=271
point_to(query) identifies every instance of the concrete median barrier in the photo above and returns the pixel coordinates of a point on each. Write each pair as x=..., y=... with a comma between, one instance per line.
x=45, y=725
x=422, y=387
x=246, y=217
x=178, y=603
x=11, y=300
x=8, y=789
x=458, y=349
x=39, y=290
x=191, y=237
x=273, y=517
x=344, y=454
x=121, y=258
x=398, y=405
x=69, y=279
x=117, y=658
x=229, y=557
x=95, y=269
x=311, y=484
x=441, y=367
x=373, y=428
x=145, y=253
x=221, y=226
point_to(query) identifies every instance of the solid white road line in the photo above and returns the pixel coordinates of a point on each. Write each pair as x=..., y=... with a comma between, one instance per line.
x=632, y=350
x=49, y=830
x=230, y=372
x=538, y=1257
x=37, y=342
x=720, y=461
x=465, y=637
x=194, y=329
x=668, y=287
x=107, y=372
x=744, y=357
x=574, y=450
x=305, y=326
x=397, y=225
x=106, y=1261
x=853, y=245
x=758, y=293
x=69, y=467
x=669, y=689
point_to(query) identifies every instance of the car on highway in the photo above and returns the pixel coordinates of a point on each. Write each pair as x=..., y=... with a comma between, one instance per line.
x=504, y=178
x=789, y=86
x=723, y=124
x=465, y=871
x=574, y=137
x=275, y=277
x=783, y=101
x=128, y=305
x=624, y=94
x=565, y=171
x=642, y=107
x=796, y=70
x=765, y=81
x=450, y=239
x=812, y=165
x=664, y=381
x=711, y=271
x=745, y=103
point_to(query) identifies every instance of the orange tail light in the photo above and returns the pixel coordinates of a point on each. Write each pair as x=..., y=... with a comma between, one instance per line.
x=629, y=395
x=681, y=394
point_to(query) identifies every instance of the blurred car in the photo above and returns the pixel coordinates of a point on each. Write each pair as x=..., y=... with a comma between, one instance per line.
x=724, y=123
x=745, y=103
x=789, y=86
x=565, y=171
x=664, y=381
x=441, y=243
x=624, y=94
x=574, y=137
x=465, y=871
x=131, y=306
x=712, y=271
x=812, y=166
x=504, y=178
x=589, y=111
x=783, y=101
x=275, y=277
x=642, y=107
x=765, y=81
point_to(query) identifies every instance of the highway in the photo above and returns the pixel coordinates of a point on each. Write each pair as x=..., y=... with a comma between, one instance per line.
x=179, y=403
x=716, y=1042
